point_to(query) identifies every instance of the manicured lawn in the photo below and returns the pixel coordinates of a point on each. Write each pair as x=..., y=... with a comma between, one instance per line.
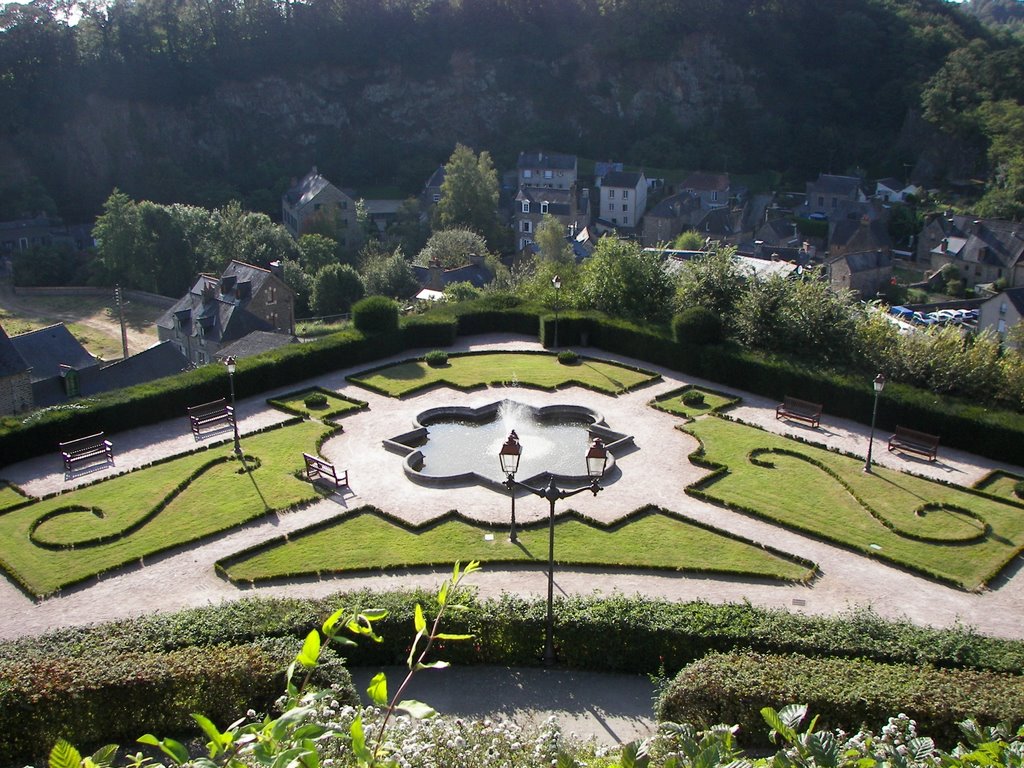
x=672, y=402
x=368, y=541
x=336, y=406
x=940, y=530
x=9, y=497
x=121, y=520
x=1000, y=484
x=467, y=371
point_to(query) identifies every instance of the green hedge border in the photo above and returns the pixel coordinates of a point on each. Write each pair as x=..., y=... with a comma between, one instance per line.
x=221, y=566
x=278, y=402
x=656, y=403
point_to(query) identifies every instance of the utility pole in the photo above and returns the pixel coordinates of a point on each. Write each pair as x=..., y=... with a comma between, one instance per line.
x=120, y=312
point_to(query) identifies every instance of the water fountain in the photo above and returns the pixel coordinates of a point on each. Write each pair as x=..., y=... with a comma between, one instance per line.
x=459, y=445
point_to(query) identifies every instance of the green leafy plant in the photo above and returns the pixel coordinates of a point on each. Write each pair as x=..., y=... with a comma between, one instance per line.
x=568, y=357
x=316, y=400
x=693, y=398
x=436, y=358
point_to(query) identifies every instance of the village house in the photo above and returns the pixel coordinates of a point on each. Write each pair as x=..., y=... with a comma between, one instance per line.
x=858, y=236
x=712, y=189
x=571, y=207
x=892, y=190
x=220, y=310
x=1002, y=312
x=827, y=195
x=670, y=218
x=314, y=196
x=623, y=199
x=866, y=273
x=15, y=379
x=546, y=169
x=983, y=250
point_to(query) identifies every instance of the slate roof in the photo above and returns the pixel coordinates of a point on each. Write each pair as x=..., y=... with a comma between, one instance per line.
x=552, y=160
x=256, y=343
x=311, y=185
x=436, y=178
x=675, y=206
x=1016, y=297
x=628, y=179
x=992, y=242
x=891, y=183
x=11, y=363
x=46, y=349
x=476, y=274
x=706, y=182
x=865, y=261
x=874, y=234
x=828, y=184
x=559, y=200
x=219, y=304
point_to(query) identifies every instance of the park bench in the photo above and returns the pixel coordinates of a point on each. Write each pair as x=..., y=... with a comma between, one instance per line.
x=794, y=408
x=215, y=413
x=318, y=470
x=85, y=451
x=912, y=441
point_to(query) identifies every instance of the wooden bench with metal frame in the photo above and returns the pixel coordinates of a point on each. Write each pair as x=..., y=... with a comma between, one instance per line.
x=803, y=410
x=912, y=441
x=85, y=451
x=318, y=470
x=211, y=414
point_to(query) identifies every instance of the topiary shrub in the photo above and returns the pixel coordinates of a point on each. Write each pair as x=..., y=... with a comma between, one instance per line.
x=375, y=314
x=568, y=357
x=315, y=400
x=693, y=398
x=1018, y=489
x=697, y=325
x=436, y=358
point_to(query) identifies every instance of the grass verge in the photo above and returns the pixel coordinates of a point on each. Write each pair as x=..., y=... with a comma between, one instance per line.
x=526, y=369
x=369, y=540
x=957, y=535
x=672, y=402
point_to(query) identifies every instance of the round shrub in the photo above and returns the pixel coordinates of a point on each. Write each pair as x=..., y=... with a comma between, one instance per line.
x=697, y=325
x=1018, y=489
x=375, y=314
x=316, y=400
x=693, y=398
x=436, y=358
x=568, y=357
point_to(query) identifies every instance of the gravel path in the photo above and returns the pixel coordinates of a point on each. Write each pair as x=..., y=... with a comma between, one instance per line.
x=657, y=472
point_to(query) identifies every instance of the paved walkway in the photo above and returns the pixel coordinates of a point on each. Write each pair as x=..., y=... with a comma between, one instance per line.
x=657, y=472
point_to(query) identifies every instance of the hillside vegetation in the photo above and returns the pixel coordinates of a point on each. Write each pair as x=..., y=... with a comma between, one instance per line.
x=206, y=102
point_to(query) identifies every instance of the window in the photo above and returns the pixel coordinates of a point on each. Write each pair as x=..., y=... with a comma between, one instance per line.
x=611, y=206
x=835, y=202
x=614, y=220
x=527, y=226
x=714, y=195
x=526, y=206
x=23, y=243
x=544, y=207
x=344, y=205
x=625, y=220
x=316, y=206
x=202, y=358
x=625, y=194
x=437, y=198
x=1002, y=308
x=525, y=243
x=625, y=207
x=611, y=194
x=821, y=201
x=271, y=294
x=1001, y=327
x=549, y=174
x=527, y=174
x=272, y=319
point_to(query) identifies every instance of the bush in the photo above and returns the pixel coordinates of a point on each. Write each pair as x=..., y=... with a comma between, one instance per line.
x=693, y=397
x=436, y=358
x=375, y=314
x=845, y=693
x=697, y=325
x=316, y=400
x=568, y=357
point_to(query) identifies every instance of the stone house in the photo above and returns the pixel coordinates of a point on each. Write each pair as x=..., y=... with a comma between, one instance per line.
x=826, y=195
x=314, y=195
x=865, y=273
x=858, y=236
x=892, y=190
x=570, y=206
x=670, y=218
x=711, y=188
x=220, y=310
x=546, y=169
x=1001, y=312
x=15, y=379
x=983, y=250
x=623, y=198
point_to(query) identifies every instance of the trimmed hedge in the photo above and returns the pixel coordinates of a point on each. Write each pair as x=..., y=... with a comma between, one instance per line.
x=844, y=693
x=89, y=697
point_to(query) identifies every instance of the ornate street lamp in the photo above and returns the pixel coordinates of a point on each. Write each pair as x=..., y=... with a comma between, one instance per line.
x=597, y=460
x=879, y=385
x=556, y=281
x=230, y=363
x=509, y=458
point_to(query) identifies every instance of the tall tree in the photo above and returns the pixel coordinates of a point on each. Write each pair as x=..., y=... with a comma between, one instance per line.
x=335, y=289
x=551, y=242
x=623, y=280
x=469, y=194
x=118, y=234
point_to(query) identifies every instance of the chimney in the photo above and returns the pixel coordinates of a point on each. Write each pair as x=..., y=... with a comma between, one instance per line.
x=434, y=282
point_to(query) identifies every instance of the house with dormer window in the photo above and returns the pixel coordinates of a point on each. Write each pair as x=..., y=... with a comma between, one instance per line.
x=829, y=195
x=571, y=207
x=546, y=169
x=218, y=311
x=712, y=189
x=983, y=250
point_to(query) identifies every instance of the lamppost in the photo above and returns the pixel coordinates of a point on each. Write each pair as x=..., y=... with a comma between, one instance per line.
x=879, y=385
x=230, y=363
x=509, y=458
x=597, y=459
x=557, y=282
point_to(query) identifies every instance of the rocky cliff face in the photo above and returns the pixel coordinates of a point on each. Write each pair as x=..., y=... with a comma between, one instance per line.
x=382, y=113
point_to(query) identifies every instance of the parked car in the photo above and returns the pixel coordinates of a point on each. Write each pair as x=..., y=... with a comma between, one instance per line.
x=922, y=319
